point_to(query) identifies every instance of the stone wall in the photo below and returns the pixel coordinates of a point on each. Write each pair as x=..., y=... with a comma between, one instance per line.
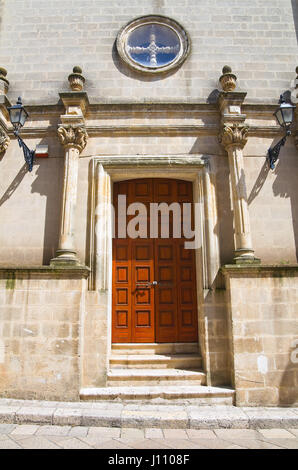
x=40, y=315
x=257, y=38
x=264, y=334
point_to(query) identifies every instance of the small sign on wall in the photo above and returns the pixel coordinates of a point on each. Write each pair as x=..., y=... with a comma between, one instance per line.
x=42, y=151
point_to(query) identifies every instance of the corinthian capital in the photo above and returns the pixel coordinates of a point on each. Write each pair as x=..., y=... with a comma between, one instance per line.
x=71, y=136
x=234, y=135
x=4, y=141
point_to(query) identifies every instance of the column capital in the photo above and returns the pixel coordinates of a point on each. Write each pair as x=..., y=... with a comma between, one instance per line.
x=233, y=136
x=4, y=141
x=73, y=136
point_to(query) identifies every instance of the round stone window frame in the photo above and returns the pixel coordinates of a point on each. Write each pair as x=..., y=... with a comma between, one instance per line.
x=124, y=33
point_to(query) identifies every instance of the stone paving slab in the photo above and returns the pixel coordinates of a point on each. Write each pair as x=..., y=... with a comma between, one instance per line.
x=32, y=436
x=144, y=415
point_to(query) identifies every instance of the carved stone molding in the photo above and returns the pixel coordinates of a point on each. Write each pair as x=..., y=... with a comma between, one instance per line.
x=71, y=136
x=4, y=141
x=234, y=135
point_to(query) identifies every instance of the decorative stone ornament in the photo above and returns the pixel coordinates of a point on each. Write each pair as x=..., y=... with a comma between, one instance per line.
x=4, y=141
x=71, y=136
x=4, y=83
x=233, y=136
x=76, y=79
x=227, y=79
x=153, y=44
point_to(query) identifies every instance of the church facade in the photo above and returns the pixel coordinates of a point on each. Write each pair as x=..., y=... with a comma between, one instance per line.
x=149, y=249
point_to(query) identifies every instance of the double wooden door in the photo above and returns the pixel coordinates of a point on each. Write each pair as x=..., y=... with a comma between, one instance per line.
x=154, y=281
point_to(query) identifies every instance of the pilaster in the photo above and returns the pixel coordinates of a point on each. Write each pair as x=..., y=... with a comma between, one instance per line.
x=73, y=136
x=233, y=137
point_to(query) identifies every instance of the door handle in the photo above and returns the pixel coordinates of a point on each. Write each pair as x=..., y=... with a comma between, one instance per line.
x=147, y=284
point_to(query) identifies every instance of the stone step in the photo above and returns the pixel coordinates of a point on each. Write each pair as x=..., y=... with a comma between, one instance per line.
x=199, y=395
x=155, y=361
x=155, y=348
x=149, y=377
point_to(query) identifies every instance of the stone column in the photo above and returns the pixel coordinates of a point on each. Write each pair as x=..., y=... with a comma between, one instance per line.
x=233, y=137
x=74, y=140
x=73, y=136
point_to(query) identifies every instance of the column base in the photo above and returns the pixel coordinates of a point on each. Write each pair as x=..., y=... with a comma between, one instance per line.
x=245, y=256
x=65, y=258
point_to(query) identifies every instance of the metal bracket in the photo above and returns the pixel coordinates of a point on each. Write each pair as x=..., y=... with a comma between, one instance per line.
x=28, y=154
x=273, y=153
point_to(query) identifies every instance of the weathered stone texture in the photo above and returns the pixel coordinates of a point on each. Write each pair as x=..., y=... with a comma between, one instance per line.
x=263, y=334
x=49, y=38
x=39, y=318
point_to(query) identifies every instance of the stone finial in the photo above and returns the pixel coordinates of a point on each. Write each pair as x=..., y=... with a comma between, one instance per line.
x=227, y=79
x=4, y=83
x=73, y=136
x=76, y=79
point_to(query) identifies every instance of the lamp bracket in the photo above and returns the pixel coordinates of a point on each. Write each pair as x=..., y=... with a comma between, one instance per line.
x=28, y=154
x=273, y=153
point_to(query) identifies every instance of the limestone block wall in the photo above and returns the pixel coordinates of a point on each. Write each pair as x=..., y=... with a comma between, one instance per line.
x=264, y=334
x=30, y=205
x=213, y=337
x=272, y=200
x=49, y=38
x=40, y=314
x=96, y=343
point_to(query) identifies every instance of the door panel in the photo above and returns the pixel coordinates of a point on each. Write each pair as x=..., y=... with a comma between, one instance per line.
x=143, y=311
x=142, y=293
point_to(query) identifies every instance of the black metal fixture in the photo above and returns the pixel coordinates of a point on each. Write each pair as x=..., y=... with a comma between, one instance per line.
x=284, y=116
x=18, y=116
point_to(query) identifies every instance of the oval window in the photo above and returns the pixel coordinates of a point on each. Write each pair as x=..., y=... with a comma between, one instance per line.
x=153, y=44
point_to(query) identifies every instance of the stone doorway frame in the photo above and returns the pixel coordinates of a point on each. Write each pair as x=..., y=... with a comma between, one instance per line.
x=105, y=170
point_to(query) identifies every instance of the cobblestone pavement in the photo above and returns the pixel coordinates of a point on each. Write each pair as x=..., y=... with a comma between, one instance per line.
x=29, y=436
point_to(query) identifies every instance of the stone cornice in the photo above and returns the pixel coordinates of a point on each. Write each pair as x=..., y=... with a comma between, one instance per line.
x=34, y=271
x=138, y=161
x=274, y=270
x=126, y=130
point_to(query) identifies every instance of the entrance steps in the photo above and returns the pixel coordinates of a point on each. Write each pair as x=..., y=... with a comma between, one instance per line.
x=158, y=373
x=155, y=364
x=180, y=395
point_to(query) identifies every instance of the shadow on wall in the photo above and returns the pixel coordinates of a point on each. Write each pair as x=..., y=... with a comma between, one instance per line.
x=48, y=182
x=288, y=391
x=259, y=182
x=286, y=186
x=295, y=16
x=14, y=184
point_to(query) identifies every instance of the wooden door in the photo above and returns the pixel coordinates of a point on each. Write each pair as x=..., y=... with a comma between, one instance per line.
x=154, y=283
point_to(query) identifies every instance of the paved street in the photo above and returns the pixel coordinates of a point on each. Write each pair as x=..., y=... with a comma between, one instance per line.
x=28, y=436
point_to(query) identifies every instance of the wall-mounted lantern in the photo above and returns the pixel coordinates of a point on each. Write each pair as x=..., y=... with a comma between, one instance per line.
x=284, y=116
x=18, y=116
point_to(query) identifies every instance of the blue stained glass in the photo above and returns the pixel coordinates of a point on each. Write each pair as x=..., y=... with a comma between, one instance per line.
x=153, y=45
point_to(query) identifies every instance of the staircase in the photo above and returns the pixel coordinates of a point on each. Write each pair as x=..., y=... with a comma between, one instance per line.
x=158, y=373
